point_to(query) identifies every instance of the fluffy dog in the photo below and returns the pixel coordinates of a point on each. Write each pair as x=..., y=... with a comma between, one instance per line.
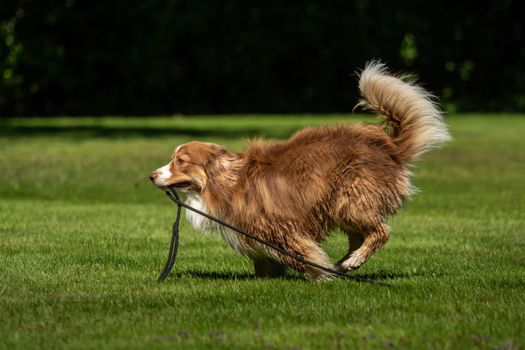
x=293, y=193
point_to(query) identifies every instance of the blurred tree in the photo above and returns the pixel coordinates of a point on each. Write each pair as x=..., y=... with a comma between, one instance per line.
x=82, y=57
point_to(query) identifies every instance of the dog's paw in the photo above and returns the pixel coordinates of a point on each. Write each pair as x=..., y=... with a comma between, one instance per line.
x=353, y=262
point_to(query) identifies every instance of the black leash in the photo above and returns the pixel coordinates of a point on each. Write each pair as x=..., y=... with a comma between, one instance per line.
x=175, y=243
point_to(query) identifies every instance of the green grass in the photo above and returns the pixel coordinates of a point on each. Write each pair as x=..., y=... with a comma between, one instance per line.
x=84, y=235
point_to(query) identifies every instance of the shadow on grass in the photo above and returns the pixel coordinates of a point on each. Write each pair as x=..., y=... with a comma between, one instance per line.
x=214, y=275
x=122, y=132
x=360, y=278
x=383, y=276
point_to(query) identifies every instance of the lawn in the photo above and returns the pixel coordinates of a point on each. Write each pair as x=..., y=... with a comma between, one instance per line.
x=84, y=235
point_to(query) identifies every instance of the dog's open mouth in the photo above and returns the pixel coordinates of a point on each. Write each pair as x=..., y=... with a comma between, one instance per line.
x=182, y=184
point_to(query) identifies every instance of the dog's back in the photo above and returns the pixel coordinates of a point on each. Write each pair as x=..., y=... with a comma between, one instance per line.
x=309, y=167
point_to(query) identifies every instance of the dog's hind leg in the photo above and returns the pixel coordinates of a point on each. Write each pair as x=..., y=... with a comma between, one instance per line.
x=374, y=238
x=355, y=241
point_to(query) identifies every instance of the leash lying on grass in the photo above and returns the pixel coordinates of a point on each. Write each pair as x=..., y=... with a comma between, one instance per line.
x=172, y=254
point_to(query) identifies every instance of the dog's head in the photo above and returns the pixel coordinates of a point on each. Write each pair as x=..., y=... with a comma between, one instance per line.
x=190, y=167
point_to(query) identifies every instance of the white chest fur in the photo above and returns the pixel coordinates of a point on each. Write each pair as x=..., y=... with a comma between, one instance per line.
x=200, y=223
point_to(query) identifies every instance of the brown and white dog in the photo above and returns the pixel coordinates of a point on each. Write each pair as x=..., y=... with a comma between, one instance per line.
x=293, y=193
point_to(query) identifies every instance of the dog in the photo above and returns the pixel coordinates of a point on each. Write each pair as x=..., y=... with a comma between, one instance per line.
x=293, y=193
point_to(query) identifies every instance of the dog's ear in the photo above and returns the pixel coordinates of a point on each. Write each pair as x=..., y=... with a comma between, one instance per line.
x=219, y=161
x=216, y=156
x=215, y=152
x=203, y=153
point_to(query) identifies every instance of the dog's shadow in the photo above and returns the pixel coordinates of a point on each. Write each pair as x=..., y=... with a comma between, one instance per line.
x=217, y=275
x=379, y=277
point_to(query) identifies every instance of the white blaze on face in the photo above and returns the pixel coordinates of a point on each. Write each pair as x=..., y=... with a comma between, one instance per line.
x=164, y=175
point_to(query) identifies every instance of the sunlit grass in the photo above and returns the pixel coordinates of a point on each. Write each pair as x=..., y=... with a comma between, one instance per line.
x=84, y=236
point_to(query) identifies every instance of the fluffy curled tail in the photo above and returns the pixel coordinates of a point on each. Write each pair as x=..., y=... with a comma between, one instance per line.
x=416, y=124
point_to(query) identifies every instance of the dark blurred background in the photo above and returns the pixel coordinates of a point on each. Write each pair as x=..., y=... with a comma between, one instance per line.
x=80, y=57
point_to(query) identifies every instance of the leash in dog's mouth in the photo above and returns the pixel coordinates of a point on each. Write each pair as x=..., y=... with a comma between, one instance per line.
x=172, y=254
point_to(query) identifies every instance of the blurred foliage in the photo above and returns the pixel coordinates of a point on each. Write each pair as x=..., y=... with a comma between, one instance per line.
x=180, y=56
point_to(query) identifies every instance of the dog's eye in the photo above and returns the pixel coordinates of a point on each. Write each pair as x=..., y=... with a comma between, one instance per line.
x=180, y=161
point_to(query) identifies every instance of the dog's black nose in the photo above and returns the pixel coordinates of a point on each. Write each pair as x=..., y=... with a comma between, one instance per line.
x=153, y=176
